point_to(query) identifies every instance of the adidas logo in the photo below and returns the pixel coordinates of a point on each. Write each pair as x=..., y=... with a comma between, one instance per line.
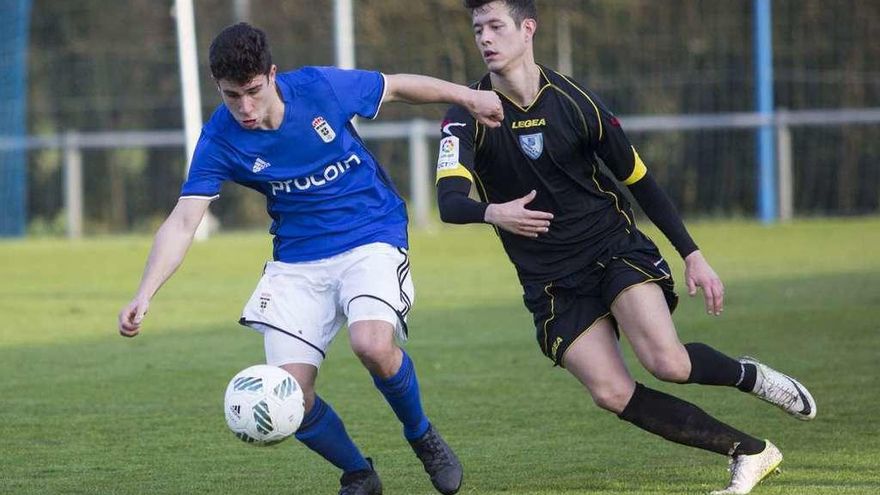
x=260, y=164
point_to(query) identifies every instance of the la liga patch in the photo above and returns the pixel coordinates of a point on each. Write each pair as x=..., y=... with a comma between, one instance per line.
x=449, y=154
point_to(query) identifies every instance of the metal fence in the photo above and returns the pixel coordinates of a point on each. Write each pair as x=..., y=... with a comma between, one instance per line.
x=103, y=76
x=421, y=133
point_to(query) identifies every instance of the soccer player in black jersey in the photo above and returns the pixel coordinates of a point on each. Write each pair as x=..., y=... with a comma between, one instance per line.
x=587, y=271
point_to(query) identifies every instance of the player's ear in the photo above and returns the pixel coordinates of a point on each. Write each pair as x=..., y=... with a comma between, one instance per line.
x=272, y=71
x=528, y=28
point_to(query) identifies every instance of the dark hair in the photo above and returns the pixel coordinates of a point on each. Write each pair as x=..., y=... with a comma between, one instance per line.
x=519, y=9
x=240, y=53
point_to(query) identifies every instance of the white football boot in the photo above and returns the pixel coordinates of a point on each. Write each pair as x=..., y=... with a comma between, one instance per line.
x=782, y=390
x=746, y=471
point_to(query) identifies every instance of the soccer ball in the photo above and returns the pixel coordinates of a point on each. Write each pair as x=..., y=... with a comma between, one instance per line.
x=263, y=405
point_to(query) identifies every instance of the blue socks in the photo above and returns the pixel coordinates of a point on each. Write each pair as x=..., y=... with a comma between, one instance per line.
x=323, y=432
x=402, y=393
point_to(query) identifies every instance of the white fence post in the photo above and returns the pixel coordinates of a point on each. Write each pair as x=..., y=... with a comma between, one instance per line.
x=419, y=165
x=786, y=171
x=241, y=9
x=73, y=186
x=563, y=43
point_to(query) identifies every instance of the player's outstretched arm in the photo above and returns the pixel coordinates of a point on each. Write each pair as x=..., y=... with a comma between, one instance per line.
x=485, y=106
x=169, y=248
x=697, y=273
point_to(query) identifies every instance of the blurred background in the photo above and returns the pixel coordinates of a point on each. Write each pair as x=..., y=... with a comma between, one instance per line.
x=735, y=120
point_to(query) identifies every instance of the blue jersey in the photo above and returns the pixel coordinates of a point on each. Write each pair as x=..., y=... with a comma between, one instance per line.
x=325, y=192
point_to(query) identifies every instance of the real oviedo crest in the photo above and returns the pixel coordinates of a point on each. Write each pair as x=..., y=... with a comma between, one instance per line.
x=325, y=132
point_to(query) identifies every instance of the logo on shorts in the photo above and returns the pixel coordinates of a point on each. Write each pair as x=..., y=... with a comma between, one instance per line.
x=532, y=145
x=265, y=297
x=660, y=264
x=325, y=132
x=556, y=347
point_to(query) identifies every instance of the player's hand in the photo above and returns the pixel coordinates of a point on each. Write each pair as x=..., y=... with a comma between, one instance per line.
x=698, y=273
x=131, y=316
x=514, y=217
x=485, y=106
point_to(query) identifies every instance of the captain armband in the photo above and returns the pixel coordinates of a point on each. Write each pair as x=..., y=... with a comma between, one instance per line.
x=639, y=169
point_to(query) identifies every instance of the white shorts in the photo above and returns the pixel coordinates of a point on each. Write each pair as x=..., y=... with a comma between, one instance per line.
x=299, y=307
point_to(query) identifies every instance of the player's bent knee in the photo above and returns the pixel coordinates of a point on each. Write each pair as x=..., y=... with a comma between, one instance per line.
x=378, y=354
x=372, y=337
x=611, y=399
x=670, y=369
x=373, y=351
x=305, y=375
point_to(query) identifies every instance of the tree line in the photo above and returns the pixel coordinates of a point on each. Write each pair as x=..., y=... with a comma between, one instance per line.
x=96, y=65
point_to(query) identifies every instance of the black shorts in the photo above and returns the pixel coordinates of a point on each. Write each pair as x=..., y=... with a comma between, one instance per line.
x=566, y=308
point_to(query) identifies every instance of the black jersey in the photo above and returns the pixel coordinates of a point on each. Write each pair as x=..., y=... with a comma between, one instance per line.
x=550, y=146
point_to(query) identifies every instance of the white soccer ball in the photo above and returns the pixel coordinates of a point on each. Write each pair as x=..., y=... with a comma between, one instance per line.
x=263, y=405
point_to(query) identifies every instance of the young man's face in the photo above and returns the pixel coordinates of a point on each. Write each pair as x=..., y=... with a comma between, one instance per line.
x=249, y=103
x=498, y=37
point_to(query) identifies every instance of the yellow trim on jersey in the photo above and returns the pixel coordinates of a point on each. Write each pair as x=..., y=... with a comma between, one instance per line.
x=595, y=107
x=481, y=190
x=616, y=203
x=527, y=107
x=576, y=107
x=459, y=171
x=639, y=169
x=552, y=313
x=587, y=131
x=541, y=70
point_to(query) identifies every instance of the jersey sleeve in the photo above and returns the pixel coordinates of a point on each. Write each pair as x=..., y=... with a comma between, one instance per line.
x=207, y=172
x=455, y=165
x=359, y=92
x=458, y=141
x=616, y=152
x=606, y=138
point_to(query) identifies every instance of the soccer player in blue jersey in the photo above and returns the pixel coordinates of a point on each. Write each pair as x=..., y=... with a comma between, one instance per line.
x=339, y=227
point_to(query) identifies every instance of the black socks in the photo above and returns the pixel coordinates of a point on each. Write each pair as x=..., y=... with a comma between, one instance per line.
x=682, y=422
x=710, y=367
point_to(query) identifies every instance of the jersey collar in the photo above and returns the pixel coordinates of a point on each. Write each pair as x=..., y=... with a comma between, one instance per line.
x=544, y=81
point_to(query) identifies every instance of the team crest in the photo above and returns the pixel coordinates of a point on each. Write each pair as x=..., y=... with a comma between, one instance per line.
x=265, y=297
x=325, y=132
x=532, y=144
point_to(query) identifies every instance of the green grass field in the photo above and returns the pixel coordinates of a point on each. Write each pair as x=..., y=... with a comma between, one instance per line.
x=85, y=411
